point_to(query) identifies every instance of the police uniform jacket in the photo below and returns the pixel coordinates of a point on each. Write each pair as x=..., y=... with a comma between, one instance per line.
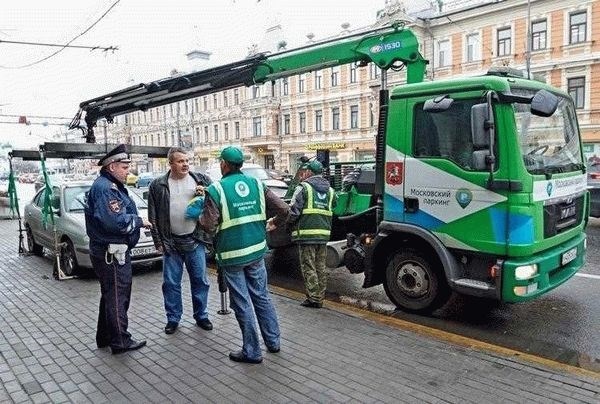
x=159, y=207
x=111, y=216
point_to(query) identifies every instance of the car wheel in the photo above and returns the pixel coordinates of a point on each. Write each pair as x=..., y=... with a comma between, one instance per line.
x=68, y=260
x=414, y=284
x=32, y=246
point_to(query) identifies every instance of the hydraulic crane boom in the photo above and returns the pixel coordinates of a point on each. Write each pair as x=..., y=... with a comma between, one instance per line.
x=386, y=47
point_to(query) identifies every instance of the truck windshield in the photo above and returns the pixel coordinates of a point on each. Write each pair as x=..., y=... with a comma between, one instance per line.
x=548, y=145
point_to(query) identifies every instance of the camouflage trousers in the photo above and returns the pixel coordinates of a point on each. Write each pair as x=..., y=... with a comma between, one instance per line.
x=312, y=265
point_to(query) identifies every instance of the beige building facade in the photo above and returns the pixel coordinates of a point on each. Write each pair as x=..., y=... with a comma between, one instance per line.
x=337, y=108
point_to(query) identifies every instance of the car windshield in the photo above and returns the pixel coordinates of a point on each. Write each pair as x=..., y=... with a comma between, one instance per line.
x=75, y=197
x=256, y=172
x=548, y=144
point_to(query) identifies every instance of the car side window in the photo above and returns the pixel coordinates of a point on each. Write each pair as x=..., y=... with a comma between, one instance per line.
x=37, y=199
x=55, y=198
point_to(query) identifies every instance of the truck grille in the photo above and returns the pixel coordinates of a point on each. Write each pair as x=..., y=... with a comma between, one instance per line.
x=562, y=216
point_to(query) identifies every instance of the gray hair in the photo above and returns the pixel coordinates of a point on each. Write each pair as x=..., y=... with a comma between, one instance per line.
x=174, y=150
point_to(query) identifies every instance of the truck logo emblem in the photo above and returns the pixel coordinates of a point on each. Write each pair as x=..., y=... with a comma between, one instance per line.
x=464, y=197
x=394, y=173
x=549, y=188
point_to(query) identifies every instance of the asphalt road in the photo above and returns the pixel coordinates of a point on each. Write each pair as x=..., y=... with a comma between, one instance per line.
x=562, y=325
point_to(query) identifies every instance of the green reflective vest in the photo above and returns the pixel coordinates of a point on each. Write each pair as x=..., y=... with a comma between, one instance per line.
x=314, y=224
x=240, y=237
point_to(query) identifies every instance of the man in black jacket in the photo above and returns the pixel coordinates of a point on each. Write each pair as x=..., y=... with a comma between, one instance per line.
x=179, y=238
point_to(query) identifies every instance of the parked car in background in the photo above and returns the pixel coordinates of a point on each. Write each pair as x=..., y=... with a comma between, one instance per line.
x=280, y=175
x=254, y=170
x=131, y=179
x=69, y=222
x=144, y=180
x=593, y=183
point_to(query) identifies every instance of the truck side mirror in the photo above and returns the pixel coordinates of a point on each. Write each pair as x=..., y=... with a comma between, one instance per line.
x=544, y=103
x=479, y=159
x=480, y=134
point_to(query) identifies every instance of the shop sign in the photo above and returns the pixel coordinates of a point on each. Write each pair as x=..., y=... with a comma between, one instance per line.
x=327, y=146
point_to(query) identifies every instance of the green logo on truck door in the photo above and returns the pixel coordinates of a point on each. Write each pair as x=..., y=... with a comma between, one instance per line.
x=464, y=197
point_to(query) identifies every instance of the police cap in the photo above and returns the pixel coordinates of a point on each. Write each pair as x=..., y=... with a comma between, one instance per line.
x=116, y=155
x=232, y=154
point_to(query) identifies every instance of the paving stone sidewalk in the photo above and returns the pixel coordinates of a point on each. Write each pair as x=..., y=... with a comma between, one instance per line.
x=48, y=353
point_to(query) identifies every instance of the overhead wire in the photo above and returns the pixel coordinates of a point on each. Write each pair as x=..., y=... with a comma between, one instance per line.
x=66, y=45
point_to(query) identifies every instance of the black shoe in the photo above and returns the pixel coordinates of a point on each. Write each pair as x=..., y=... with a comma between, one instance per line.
x=273, y=349
x=205, y=324
x=171, y=327
x=240, y=357
x=133, y=345
x=102, y=344
x=310, y=303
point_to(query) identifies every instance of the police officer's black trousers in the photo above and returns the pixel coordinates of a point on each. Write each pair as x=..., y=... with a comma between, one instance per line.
x=115, y=287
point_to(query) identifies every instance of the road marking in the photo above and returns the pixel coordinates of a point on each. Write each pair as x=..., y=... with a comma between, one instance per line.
x=588, y=276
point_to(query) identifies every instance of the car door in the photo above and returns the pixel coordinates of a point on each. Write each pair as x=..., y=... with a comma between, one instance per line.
x=33, y=218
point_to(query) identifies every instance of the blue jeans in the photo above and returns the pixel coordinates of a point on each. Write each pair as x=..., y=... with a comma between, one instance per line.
x=195, y=262
x=248, y=295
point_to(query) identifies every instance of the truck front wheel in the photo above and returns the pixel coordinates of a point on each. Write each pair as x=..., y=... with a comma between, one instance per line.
x=413, y=284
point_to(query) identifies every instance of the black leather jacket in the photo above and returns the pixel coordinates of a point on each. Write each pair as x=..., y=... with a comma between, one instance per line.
x=158, y=211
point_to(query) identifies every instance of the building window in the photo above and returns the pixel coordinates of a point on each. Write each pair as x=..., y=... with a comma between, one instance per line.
x=237, y=130
x=301, y=83
x=236, y=96
x=196, y=138
x=335, y=118
x=186, y=107
x=578, y=27
x=576, y=89
x=443, y=53
x=504, y=41
x=225, y=99
x=538, y=35
x=205, y=102
x=373, y=71
x=171, y=110
x=352, y=73
x=206, y=134
x=473, y=53
x=286, y=124
x=371, y=115
x=255, y=91
x=335, y=76
x=215, y=103
x=226, y=131
x=318, y=79
x=196, y=105
x=285, y=90
x=216, y=132
x=302, y=119
x=353, y=116
x=318, y=120
x=256, y=126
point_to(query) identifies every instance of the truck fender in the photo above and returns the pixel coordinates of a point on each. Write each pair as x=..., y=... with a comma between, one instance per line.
x=412, y=236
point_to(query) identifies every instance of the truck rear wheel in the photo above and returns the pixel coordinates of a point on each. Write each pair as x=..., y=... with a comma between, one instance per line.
x=413, y=284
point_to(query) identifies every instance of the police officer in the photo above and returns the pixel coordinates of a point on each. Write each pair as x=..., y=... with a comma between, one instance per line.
x=235, y=209
x=310, y=215
x=113, y=226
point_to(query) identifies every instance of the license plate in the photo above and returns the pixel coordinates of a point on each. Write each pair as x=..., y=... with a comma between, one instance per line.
x=139, y=251
x=568, y=256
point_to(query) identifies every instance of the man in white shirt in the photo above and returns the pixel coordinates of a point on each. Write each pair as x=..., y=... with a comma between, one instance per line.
x=180, y=239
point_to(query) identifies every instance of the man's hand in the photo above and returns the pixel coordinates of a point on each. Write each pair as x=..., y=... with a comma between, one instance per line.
x=160, y=249
x=146, y=224
x=270, y=225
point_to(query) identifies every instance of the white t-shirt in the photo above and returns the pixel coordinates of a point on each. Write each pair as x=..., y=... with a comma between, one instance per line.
x=182, y=191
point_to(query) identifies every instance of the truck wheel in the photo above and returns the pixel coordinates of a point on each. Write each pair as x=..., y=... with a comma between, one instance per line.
x=32, y=246
x=413, y=284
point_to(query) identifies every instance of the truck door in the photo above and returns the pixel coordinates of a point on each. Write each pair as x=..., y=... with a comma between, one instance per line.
x=444, y=191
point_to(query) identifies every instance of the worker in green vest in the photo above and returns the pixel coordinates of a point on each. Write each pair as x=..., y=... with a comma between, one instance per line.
x=235, y=211
x=310, y=215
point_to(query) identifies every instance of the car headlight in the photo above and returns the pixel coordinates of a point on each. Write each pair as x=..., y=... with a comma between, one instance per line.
x=526, y=271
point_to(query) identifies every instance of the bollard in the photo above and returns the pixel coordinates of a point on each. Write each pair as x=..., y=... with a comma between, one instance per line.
x=223, y=290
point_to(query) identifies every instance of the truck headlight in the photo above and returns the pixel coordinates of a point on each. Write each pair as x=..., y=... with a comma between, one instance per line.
x=526, y=271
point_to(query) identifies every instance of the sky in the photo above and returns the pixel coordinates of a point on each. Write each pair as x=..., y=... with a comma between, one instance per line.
x=152, y=38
